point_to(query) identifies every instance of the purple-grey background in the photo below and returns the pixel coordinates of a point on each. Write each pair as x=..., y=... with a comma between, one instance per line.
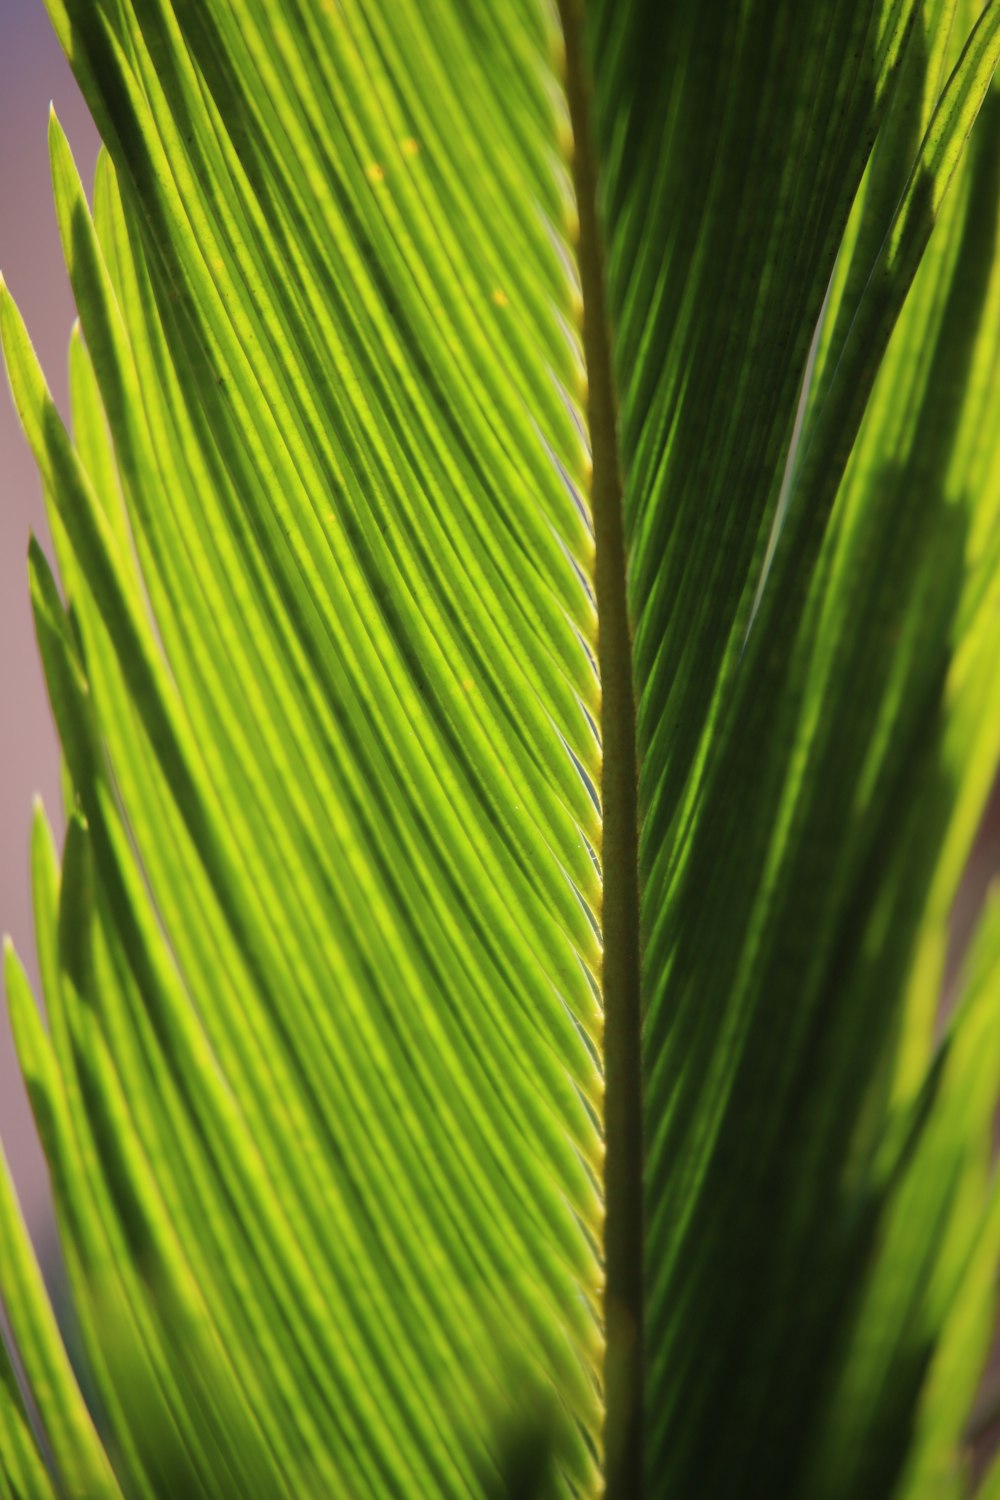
x=32, y=71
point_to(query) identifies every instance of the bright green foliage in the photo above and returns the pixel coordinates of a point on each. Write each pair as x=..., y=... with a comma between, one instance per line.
x=797, y=792
x=321, y=1083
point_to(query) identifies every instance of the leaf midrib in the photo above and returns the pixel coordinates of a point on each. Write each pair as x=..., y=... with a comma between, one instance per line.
x=623, y=1238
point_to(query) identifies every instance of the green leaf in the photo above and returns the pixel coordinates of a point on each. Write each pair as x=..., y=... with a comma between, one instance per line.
x=524, y=657
x=76, y=1448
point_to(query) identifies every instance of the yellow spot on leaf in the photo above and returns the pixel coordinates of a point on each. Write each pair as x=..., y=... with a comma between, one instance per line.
x=375, y=173
x=468, y=684
x=500, y=298
x=409, y=146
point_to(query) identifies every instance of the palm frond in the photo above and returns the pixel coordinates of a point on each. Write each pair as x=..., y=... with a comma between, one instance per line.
x=526, y=618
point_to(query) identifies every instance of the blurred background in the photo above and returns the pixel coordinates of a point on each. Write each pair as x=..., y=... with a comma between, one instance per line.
x=32, y=71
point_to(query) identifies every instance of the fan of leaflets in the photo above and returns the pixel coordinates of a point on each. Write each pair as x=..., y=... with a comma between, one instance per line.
x=527, y=621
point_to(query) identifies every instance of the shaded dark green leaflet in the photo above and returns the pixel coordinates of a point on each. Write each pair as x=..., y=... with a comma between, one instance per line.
x=524, y=656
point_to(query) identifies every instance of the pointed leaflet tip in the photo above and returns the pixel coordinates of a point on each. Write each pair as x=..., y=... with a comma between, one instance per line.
x=34, y=554
x=43, y=844
x=103, y=172
x=58, y=144
x=11, y=973
x=44, y=854
x=65, y=179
